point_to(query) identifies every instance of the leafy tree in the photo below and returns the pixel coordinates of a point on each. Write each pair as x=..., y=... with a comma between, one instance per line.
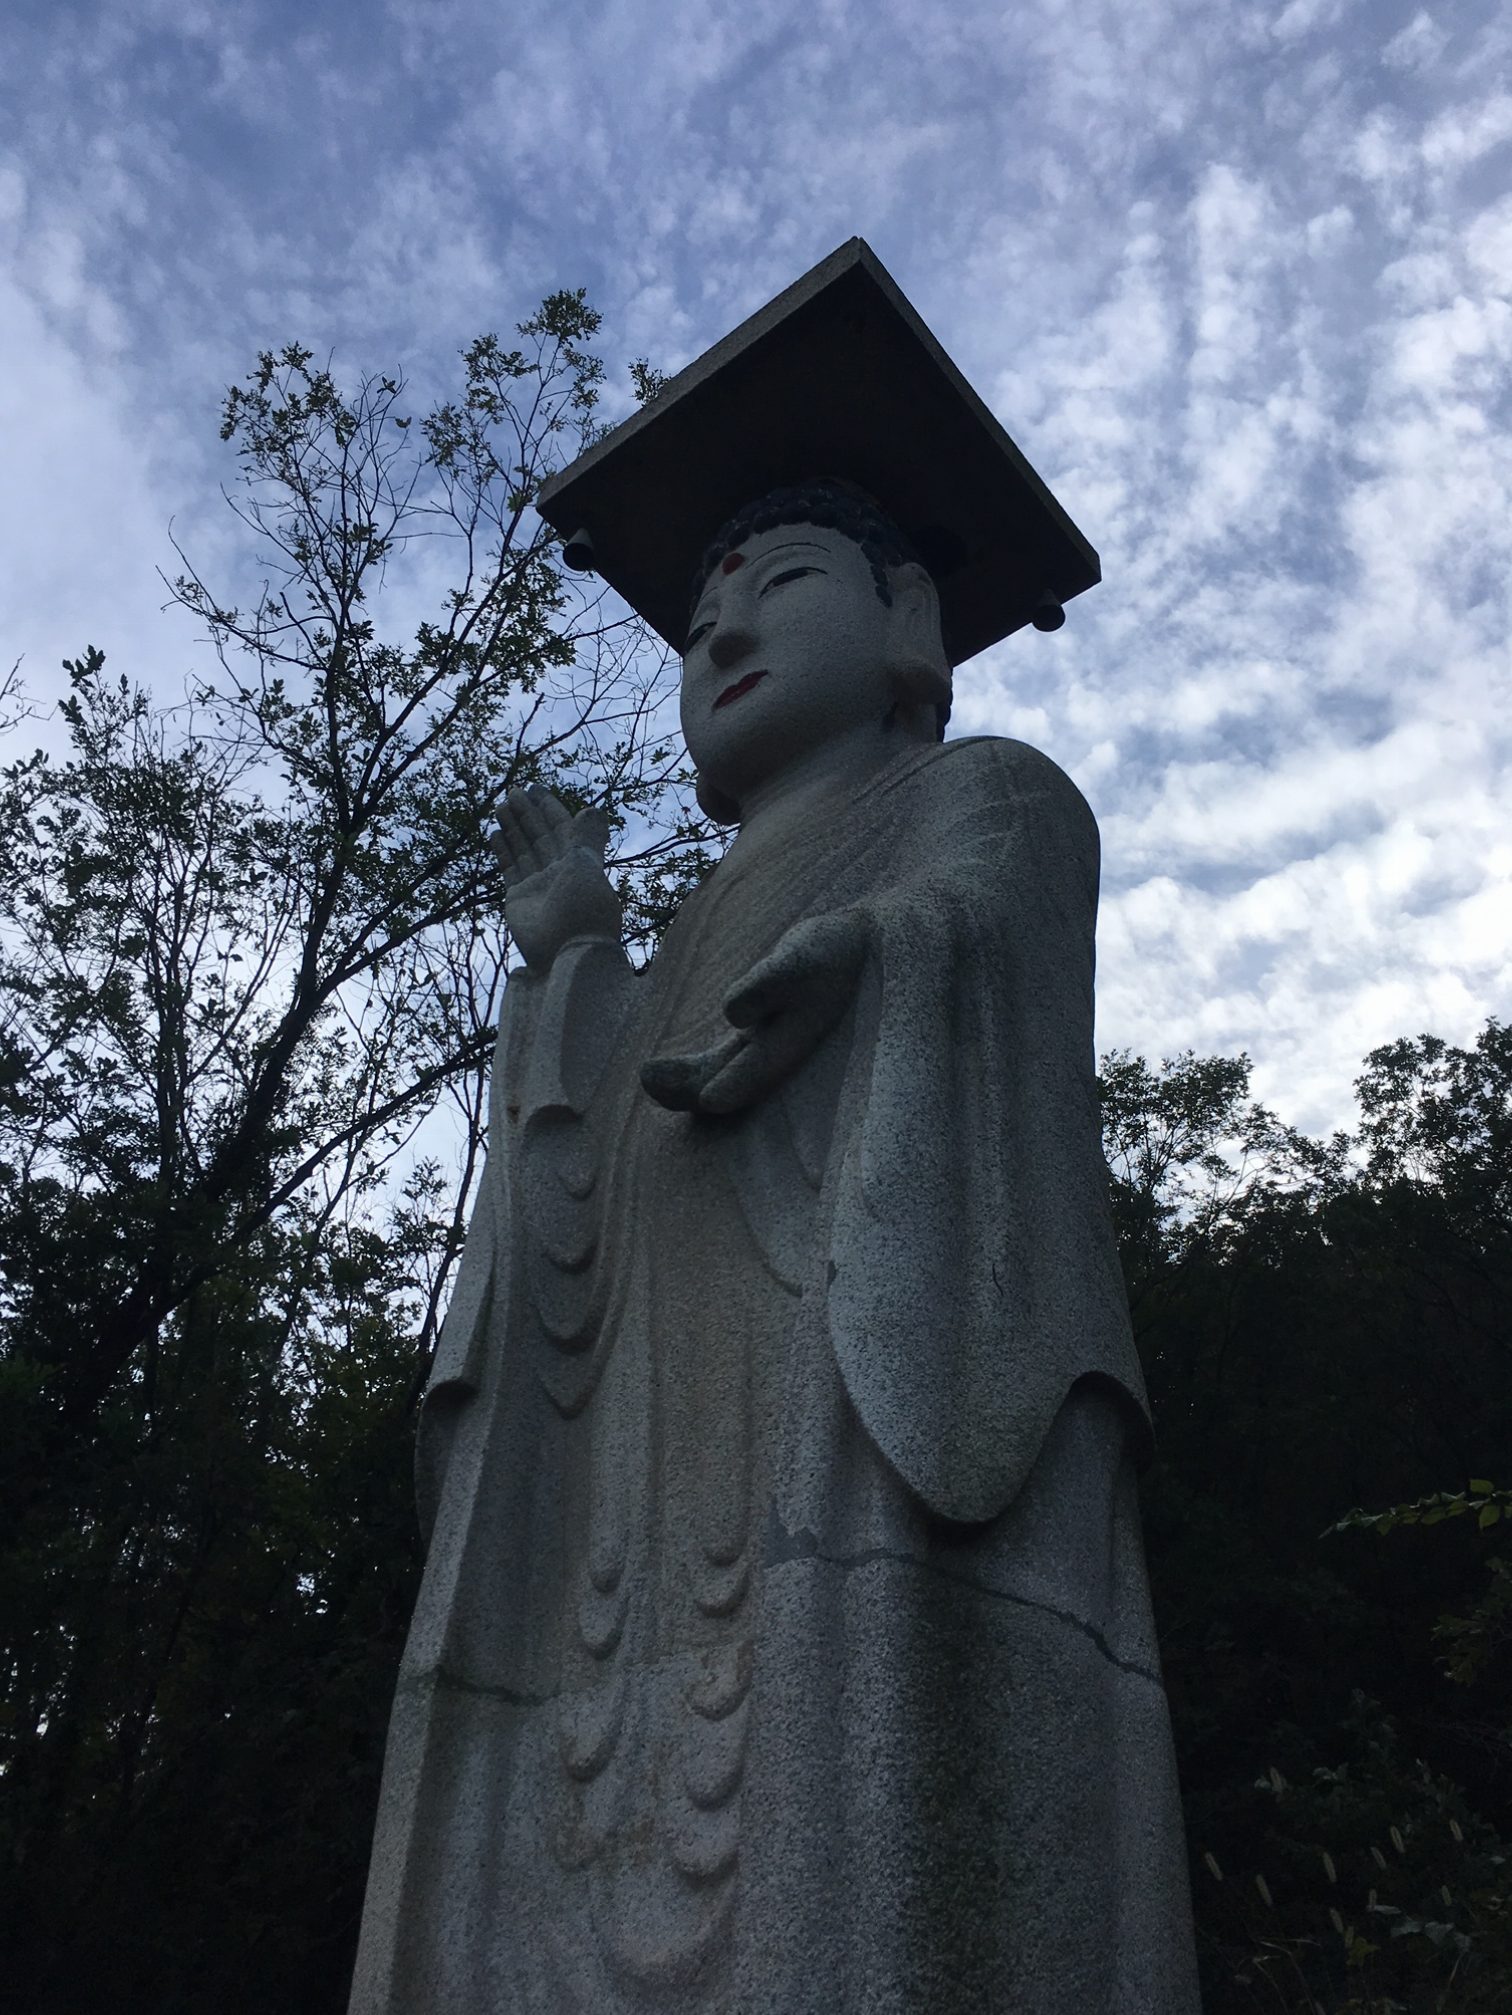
x=249, y=943
x=251, y=949
x=1192, y=1160
x=1324, y=1324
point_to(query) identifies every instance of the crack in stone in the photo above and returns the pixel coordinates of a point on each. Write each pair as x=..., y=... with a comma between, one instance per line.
x=783, y=1547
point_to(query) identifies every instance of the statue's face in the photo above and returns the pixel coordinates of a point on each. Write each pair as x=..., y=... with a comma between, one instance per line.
x=787, y=649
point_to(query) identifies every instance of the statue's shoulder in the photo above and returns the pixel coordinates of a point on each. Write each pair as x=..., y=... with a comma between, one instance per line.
x=997, y=767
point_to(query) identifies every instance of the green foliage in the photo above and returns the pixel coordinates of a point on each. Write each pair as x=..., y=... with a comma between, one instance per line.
x=1325, y=1325
x=1477, y=1641
x=1373, y=1885
x=1482, y=1497
x=249, y=946
x=647, y=382
x=224, y=917
x=195, y=1713
x=1437, y=1121
x=1194, y=1161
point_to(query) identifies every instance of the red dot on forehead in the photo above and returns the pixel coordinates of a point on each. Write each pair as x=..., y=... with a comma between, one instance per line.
x=730, y=562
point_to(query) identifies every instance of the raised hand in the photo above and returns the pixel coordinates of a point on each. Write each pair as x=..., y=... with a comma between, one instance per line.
x=783, y=1008
x=555, y=887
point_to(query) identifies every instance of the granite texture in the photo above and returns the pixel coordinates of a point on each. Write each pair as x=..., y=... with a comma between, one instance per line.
x=784, y=1642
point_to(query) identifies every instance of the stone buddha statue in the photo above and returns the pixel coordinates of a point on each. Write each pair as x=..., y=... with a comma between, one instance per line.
x=785, y=1642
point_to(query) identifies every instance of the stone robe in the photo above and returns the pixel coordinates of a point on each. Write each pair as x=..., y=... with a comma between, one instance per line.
x=784, y=1642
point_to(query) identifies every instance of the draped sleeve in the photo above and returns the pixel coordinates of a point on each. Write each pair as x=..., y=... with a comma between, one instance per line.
x=971, y=1275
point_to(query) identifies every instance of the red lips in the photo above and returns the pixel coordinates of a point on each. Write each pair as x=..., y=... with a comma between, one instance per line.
x=740, y=686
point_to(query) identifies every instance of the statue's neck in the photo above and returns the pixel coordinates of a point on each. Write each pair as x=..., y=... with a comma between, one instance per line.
x=829, y=774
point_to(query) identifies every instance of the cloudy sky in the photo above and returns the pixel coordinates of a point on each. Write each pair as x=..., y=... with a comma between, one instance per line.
x=1237, y=277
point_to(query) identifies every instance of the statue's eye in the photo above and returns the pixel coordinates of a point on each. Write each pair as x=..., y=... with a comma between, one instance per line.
x=789, y=574
x=696, y=636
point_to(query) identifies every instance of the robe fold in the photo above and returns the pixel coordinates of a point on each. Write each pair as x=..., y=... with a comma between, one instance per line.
x=784, y=1643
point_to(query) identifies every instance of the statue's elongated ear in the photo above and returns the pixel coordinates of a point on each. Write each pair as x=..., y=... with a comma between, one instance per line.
x=916, y=662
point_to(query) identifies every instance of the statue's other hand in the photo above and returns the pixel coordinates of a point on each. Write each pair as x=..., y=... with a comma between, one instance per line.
x=783, y=1008
x=554, y=881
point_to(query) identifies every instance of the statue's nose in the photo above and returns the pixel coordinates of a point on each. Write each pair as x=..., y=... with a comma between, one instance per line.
x=730, y=641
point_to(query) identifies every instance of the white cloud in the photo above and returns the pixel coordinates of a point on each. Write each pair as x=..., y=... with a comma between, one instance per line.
x=1236, y=279
x=1488, y=245
x=1417, y=45
x=1306, y=17
x=1464, y=134
x=90, y=483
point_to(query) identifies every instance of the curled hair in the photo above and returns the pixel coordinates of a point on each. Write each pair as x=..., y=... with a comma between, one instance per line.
x=828, y=502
